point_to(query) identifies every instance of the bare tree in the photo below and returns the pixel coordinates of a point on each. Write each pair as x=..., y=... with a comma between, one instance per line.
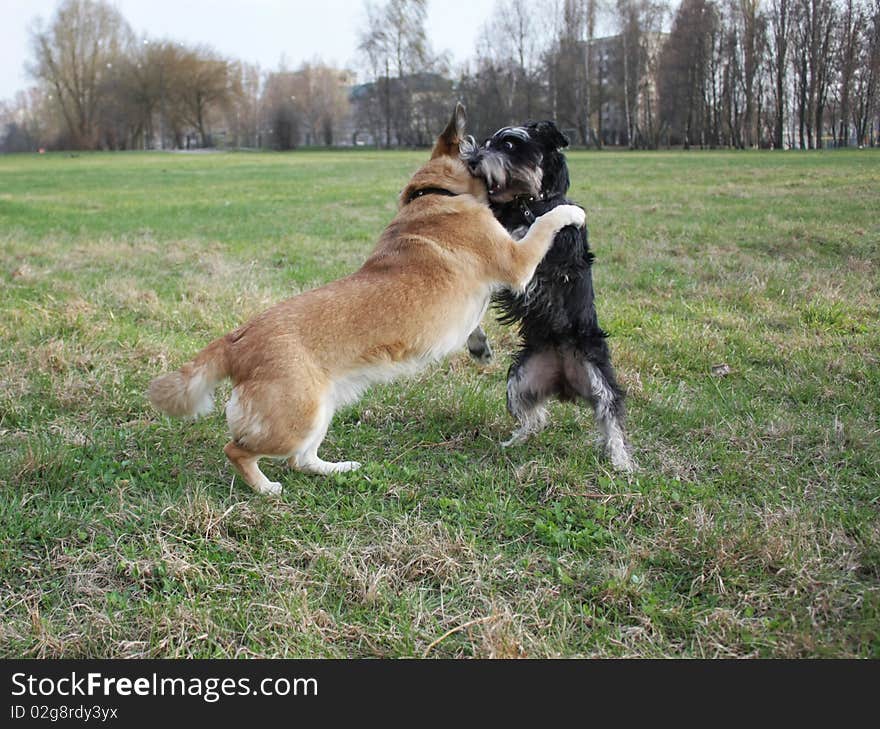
x=243, y=116
x=517, y=32
x=751, y=39
x=571, y=69
x=779, y=21
x=685, y=72
x=202, y=81
x=395, y=44
x=566, y=69
x=283, y=117
x=850, y=31
x=322, y=95
x=640, y=23
x=28, y=122
x=590, y=136
x=512, y=78
x=866, y=106
x=811, y=59
x=74, y=54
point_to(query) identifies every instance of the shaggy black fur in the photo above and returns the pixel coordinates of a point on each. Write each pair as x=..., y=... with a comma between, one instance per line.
x=564, y=351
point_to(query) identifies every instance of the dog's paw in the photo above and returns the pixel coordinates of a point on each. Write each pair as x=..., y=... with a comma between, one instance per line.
x=270, y=488
x=518, y=437
x=482, y=355
x=576, y=216
x=563, y=215
x=346, y=466
x=620, y=458
x=323, y=468
x=478, y=346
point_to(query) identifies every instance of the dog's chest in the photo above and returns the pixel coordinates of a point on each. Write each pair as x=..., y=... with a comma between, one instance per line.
x=454, y=332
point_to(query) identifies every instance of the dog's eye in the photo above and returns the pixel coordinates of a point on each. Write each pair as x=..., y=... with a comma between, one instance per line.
x=508, y=145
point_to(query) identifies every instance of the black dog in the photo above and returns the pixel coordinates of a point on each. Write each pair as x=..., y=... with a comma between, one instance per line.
x=564, y=351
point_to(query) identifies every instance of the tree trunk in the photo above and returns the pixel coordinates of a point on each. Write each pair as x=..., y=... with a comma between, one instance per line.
x=387, y=104
x=626, y=106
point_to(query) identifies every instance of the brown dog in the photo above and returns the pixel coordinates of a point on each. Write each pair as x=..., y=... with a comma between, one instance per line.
x=416, y=298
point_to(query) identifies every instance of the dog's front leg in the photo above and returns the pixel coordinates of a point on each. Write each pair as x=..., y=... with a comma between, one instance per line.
x=527, y=254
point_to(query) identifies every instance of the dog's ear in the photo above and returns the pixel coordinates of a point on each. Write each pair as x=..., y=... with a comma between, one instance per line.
x=447, y=143
x=549, y=134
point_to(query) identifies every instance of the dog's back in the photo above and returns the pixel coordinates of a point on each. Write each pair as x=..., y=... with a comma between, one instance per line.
x=431, y=258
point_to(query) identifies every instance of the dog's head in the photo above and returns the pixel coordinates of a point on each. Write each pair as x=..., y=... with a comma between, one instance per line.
x=446, y=170
x=523, y=160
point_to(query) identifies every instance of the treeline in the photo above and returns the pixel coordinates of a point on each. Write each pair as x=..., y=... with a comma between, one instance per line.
x=100, y=86
x=745, y=73
x=707, y=73
x=640, y=73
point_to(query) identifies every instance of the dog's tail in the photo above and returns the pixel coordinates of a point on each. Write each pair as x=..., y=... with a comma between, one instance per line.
x=190, y=390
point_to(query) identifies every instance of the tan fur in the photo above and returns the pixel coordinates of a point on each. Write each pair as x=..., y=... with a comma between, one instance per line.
x=416, y=298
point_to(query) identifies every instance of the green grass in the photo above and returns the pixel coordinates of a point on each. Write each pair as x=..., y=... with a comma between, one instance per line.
x=751, y=528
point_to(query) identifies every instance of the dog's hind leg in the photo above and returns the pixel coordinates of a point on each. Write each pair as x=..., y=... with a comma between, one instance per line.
x=283, y=418
x=478, y=346
x=532, y=378
x=245, y=462
x=306, y=458
x=608, y=408
x=592, y=377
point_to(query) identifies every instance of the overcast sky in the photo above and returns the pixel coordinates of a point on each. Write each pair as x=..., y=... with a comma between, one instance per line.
x=255, y=31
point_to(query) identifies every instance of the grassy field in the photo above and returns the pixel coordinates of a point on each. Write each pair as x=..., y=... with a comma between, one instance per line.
x=742, y=293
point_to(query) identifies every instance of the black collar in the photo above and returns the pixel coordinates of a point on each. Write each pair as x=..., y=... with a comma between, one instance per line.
x=522, y=202
x=430, y=191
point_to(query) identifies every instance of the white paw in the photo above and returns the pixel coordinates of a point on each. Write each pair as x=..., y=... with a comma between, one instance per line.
x=577, y=216
x=346, y=466
x=324, y=468
x=270, y=488
x=568, y=215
